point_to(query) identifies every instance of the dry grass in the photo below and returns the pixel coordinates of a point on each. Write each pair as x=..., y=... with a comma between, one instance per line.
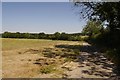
x=23, y=53
x=14, y=44
x=37, y=58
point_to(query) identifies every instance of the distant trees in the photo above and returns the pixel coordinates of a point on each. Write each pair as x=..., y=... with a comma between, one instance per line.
x=41, y=35
x=55, y=36
x=64, y=36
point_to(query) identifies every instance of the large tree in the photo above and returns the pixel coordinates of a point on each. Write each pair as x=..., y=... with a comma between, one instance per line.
x=105, y=11
x=110, y=12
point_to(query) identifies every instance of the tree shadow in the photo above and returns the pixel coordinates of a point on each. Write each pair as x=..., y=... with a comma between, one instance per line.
x=94, y=55
x=82, y=48
x=86, y=52
x=71, y=52
x=82, y=54
x=68, y=54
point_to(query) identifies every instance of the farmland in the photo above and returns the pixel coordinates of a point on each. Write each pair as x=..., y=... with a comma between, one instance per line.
x=39, y=58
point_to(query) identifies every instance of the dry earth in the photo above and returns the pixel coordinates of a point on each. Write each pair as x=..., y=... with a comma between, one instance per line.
x=56, y=59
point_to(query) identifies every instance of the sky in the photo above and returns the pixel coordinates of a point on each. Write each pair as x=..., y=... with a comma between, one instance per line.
x=0, y=17
x=35, y=0
x=48, y=17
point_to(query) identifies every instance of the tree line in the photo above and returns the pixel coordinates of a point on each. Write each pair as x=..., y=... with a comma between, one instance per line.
x=55, y=36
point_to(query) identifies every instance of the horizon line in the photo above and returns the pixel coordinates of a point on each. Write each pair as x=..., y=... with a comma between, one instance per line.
x=41, y=32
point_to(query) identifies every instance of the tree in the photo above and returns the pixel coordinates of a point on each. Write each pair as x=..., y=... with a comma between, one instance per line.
x=92, y=28
x=41, y=35
x=6, y=34
x=110, y=12
x=105, y=11
x=64, y=36
x=57, y=35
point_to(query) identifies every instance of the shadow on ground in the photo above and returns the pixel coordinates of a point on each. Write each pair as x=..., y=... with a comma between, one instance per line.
x=82, y=48
x=94, y=56
x=86, y=55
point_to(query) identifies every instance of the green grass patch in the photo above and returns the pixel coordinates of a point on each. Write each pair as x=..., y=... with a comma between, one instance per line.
x=47, y=69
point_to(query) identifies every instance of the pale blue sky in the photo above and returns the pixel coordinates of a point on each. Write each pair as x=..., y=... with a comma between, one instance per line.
x=35, y=0
x=0, y=17
x=48, y=17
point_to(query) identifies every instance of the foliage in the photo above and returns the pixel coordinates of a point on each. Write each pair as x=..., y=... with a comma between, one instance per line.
x=55, y=36
x=92, y=28
x=110, y=38
x=104, y=11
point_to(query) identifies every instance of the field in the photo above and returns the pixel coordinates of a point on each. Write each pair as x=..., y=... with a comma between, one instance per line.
x=30, y=58
x=19, y=56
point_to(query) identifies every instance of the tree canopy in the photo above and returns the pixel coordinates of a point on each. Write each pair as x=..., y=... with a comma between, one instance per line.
x=110, y=12
x=104, y=11
x=92, y=28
